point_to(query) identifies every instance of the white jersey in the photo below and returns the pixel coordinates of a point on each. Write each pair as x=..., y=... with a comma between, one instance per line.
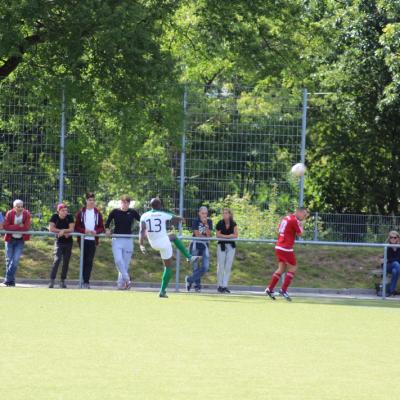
x=156, y=225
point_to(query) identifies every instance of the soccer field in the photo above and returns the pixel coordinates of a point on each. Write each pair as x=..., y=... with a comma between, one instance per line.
x=129, y=345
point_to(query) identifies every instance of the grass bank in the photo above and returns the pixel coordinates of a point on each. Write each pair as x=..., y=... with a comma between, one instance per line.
x=319, y=266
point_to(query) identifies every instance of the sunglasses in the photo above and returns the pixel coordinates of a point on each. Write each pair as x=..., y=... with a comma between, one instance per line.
x=393, y=237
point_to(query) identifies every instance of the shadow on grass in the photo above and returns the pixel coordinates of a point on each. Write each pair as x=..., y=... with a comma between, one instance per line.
x=353, y=302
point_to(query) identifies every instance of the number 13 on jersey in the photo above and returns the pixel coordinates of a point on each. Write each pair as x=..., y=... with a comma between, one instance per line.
x=153, y=225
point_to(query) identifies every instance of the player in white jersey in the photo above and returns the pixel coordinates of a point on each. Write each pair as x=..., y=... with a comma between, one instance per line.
x=153, y=225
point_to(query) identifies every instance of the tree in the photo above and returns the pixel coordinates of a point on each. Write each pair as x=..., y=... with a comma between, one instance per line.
x=354, y=154
x=107, y=57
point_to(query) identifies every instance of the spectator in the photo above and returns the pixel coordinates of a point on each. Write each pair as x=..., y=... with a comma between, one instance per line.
x=62, y=224
x=393, y=261
x=226, y=229
x=1, y=220
x=122, y=247
x=202, y=227
x=89, y=221
x=19, y=220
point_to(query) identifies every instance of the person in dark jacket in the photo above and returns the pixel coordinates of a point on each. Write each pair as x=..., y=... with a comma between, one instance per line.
x=89, y=220
x=202, y=228
x=62, y=224
x=393, y=261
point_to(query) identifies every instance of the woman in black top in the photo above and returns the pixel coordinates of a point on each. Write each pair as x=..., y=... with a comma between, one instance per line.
x=393, y=261
x=226, y=229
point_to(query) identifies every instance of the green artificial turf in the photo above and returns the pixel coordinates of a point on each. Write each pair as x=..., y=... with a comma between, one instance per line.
x=69, y=344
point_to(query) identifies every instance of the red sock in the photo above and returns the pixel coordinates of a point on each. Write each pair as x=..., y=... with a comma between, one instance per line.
x=288, y=280
x=274, y=280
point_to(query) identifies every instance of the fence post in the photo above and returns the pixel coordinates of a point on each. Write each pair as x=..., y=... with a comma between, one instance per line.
x=303, y=143
x=62, y=145
x=82, y=248
x=384, y=273
x=181, y=185
x=316, y=226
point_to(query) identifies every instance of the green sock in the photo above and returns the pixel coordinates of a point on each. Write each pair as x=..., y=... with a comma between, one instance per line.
x=165, y=278
x=181, y=247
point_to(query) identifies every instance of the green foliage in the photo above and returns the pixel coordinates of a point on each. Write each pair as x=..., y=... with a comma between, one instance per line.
x=253, y=220
x=354, y=153
x=120, y=63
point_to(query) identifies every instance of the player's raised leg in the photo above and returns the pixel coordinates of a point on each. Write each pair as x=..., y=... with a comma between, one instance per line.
x=181, y=247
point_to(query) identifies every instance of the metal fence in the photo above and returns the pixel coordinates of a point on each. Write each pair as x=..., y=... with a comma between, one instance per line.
x=233, y=141
x=366, y=228
x=239, y=140
x=33, y=141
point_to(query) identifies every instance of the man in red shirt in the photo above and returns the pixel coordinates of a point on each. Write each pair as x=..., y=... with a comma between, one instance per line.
x=290, y=227
x=18, y=220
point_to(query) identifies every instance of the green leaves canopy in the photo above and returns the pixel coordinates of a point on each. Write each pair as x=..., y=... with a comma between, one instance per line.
x=120, y=62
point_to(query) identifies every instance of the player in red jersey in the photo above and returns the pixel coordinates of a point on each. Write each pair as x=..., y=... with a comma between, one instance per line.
x=290, y=227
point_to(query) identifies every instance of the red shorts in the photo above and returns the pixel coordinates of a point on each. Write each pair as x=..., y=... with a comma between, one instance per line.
x=287, y=257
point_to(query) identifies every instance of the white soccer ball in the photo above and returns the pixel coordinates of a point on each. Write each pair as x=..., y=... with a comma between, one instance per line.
x=298, y=169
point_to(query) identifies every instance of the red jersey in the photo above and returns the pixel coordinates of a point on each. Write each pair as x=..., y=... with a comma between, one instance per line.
x=289, y=228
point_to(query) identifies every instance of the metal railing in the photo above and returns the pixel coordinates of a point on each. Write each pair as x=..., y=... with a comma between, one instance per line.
x=385, y=246
x=370, y=228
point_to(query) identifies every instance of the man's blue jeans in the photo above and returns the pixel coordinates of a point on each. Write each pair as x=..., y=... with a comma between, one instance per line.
x=13, y=251
x=199, y=270
x=394, y=269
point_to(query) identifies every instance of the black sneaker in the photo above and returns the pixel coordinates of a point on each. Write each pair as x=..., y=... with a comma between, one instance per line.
x=220, y=289
x=226, y=290
x=285, y=294
x=270, y=294
x=197, y=289
x=63, y=285
x=9, y=284
x=163, y=295
x=51, y=284
x=187, y=283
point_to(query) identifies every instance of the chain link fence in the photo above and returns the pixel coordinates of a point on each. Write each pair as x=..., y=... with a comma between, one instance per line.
x=231, y=141
x=365, y=228
x=30, y=149
x=240, y=141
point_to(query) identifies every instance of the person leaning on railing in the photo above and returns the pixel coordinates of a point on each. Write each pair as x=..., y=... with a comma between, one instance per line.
x=226, y=229
x=62, y=224
x=393, y=261
x=122, y=247
x=202, y=228
x=17, y=219
x=89, y=221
